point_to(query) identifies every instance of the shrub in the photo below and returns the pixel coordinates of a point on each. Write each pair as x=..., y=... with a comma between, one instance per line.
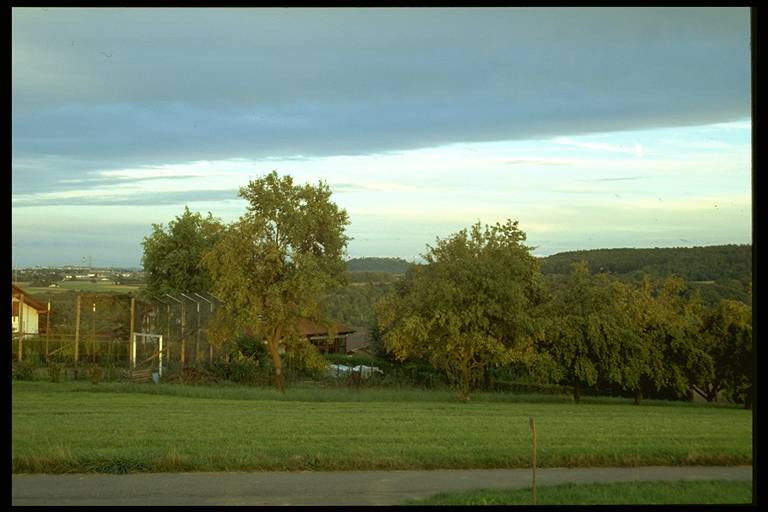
x=250, y=346
x=247, y=370
x=23, y=370
x=96, y=374
x=54, y=371
x=192, y=376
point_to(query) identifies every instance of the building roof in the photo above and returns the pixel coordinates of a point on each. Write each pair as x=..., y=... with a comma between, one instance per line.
x=310, y=328
x=17, y=292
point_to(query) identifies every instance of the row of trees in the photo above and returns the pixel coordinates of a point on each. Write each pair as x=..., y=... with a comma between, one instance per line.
x=479, y=301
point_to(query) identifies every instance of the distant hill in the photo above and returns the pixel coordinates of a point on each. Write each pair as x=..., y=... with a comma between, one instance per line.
x=718, y=271
x=386, y=265
x=692, y=263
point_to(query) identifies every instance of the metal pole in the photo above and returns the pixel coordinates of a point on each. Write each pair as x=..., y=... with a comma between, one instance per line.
x=197, y=338
x=168, y=328
x=183, y=339
x=130, y=327
x=160, y=356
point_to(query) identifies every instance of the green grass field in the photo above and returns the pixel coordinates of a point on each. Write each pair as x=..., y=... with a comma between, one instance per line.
x=75, y=427
x=634, y=493
x=83, y=286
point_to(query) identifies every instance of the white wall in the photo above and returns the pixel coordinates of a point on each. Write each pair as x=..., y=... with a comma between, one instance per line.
x=29, y=318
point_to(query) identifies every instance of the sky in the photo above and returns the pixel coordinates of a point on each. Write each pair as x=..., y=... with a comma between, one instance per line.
x=593, y=127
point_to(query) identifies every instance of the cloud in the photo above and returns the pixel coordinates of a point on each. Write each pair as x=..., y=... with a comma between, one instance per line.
x=536, y=161
x=637, y=150
x=620, y=178
x=209, y=84
x=130, y=198
x=697, y=144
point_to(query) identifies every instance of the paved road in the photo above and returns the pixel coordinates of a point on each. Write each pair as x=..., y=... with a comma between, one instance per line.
x=319, y=488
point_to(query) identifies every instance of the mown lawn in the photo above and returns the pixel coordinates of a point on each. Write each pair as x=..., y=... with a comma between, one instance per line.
x=76, y=427
x=632, y=493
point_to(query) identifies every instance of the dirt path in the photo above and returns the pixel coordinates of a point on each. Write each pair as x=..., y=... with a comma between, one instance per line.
x=320, y=488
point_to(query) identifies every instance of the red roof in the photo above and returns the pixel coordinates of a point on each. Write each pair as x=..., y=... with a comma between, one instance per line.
x=309, y=328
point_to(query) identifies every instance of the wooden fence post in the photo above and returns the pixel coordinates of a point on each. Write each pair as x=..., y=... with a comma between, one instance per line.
x=47, y=330
x=93, y=333
x=168, y=329
x=21, y=328
x=133, y=316
x=77, y=332
x=532, y=423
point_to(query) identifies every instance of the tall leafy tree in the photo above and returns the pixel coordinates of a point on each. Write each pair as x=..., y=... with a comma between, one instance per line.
x=726, y=335
x=173, y=254
x=666, y=317
x=468, y=308
x=588, y=336
x=273, y=265
x=677, y=333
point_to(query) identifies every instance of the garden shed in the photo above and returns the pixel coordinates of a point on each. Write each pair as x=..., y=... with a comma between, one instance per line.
x=25, y=311
x=330, y=338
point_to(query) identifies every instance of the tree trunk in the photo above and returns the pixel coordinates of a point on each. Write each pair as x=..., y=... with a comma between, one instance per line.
x=464, y=385
x=576, y=390
x=638, y=396
x=278, y=364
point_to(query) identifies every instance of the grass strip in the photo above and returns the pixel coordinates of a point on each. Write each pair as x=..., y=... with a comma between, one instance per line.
x=631, y=493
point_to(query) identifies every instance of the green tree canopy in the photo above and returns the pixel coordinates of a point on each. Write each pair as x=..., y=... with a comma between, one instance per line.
x=469, y=307
x=173, y=254
x=271, y=267
x=726, y=336
x=666, y=317
x=588, y=334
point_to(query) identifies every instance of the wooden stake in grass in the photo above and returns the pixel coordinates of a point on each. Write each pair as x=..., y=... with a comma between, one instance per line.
x=77, y=334
x=532, y=423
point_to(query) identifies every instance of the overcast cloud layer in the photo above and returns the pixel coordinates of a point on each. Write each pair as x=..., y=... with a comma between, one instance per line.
x=111, y=87
x=96, y=90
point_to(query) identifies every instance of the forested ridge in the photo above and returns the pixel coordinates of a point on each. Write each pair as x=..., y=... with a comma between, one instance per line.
x=710, y=263
x=717, y=272
x=387, y=265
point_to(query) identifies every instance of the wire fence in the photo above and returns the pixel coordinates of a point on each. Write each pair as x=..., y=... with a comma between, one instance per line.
x=98, y=329
x=66, y=350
